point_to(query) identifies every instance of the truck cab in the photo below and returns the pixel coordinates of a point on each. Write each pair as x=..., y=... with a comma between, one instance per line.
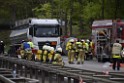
x=40, y=31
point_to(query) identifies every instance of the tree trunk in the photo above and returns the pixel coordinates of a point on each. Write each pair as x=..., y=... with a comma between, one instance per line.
x=71, y=12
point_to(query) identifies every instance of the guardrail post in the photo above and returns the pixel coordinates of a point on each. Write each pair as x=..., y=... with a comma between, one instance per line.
x=0, y=62
x=25, y=69
x=59, y=78
x=36, y=73
x=43, y=76
x=31, y=72
x=7, y=64
x=76, y=80
x=21, y=72
x=50, y=77
x=69, y=79
x=18, y=68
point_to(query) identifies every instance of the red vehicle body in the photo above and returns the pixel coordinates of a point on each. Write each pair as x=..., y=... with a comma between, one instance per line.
x=104, y=34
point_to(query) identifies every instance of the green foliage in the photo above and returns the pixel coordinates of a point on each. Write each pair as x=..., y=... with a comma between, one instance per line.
x=80, y=12
x=43, y=11
x=92, y=10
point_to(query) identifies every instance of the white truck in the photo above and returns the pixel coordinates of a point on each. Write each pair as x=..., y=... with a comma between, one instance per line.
x=40, y=31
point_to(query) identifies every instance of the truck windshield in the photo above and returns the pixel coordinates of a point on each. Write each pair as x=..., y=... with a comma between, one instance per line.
x=46, y=31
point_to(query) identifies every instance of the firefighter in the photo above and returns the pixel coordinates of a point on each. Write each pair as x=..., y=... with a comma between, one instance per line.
x=91, y=49
x=57, y=60
x=71, y=51
x=26, y=47
x=18, y=52
x=76, y=49
x=67, y=49
x=22, y=53
x=31, y=44
x=81, y=53
x=2, y=47
x=45, y=53
x=116, y=50
x=87, y=49
x=38, y=55
x=51, y=54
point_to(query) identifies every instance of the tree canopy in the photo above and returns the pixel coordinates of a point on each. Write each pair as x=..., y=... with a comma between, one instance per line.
x=75, y=13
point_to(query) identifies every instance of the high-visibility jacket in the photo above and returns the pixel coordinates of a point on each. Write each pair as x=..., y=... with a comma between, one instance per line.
x=71, y=46
x=50, y=55
x=25, y=45
x=87, y=47
x=116, y=50
x=57, y=59
x=76, y=45
x=91, y=45
x=67, y=45
x=38, y=54
x=31, y=44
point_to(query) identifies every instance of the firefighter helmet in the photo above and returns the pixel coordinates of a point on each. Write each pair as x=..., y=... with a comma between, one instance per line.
x=59, y=49
x=44, y=47
x=71, y=40
x=82, y=40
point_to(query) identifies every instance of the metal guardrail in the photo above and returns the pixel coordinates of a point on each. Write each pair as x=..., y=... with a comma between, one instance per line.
x=27, y=67
x=7, y=77
x=5, y=80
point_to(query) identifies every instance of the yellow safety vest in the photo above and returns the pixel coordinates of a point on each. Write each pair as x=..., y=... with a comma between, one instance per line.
x=116, y=50
x=31, y=44
x=87, y=47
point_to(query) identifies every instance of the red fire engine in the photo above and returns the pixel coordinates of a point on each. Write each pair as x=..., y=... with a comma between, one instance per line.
x=104, y=34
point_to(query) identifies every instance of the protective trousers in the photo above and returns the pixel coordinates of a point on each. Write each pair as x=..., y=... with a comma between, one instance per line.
x=81, y=56
x=50, y=56
x=45, y=54
x=44, y=58
x=116, y=61
x=22, y=53
x=29, y=55
x=71, y=54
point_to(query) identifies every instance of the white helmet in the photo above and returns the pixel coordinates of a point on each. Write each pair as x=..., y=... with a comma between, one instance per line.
x=87, y=40
x=48, y=48
x=59, y=49
x=82, y=40
x=44, y=47
x=52, y=49
x=71, y=40
x=1, y=41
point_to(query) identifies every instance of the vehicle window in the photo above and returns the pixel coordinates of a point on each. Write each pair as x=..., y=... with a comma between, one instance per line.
x=46, y=31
